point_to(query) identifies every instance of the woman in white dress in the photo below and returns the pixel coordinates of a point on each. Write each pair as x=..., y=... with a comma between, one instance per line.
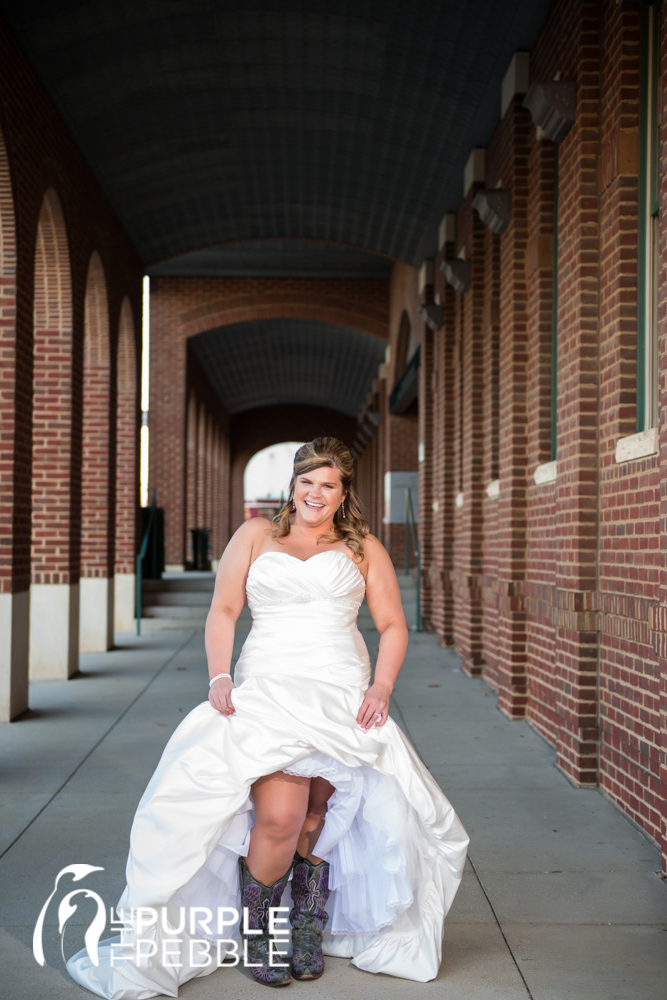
x=293, y=770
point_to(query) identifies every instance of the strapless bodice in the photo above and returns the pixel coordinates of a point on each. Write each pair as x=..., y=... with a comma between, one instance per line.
x=278, y=579
x=304, y=614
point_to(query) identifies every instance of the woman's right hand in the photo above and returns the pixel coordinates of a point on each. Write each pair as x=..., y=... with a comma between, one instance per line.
x=220, y=696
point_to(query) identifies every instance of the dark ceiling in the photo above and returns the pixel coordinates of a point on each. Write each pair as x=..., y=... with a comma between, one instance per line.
x=208, y=122
x=281, y=361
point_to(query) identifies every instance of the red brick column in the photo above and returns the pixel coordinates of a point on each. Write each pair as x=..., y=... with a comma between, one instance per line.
x=97, y=493
x=15, y=414
x=469, y=452
x=426, y=481
x=541, y=541
x=127, y=470
x=508, y=665
x=54, y=598
x=444, y=456
x=494, y=526
x=578, y=345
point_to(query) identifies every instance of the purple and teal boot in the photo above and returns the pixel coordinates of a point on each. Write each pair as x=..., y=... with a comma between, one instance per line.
x=308, y=917
x=259, y=899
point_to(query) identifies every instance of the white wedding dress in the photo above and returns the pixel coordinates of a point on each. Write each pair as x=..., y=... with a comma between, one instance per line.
x=394, y=843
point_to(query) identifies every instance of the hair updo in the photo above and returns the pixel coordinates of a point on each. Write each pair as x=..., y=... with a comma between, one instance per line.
x=328, y=451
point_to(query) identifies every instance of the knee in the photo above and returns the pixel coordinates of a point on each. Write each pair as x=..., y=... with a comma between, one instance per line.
x=318, y=800
x=280, y=824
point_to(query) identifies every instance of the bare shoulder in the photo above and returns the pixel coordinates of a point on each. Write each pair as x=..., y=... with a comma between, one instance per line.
x=375, y=555
x=254, y=528
x=373, y=548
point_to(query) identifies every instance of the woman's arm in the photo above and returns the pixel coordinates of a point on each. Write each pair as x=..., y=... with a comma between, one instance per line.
x=383, y=597
x=226, y=605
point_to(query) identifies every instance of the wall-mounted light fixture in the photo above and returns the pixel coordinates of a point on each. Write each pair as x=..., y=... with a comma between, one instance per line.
x=432, y=315
x=365, y=430
x=457, y=274
x=553, y=106
x=495, y=209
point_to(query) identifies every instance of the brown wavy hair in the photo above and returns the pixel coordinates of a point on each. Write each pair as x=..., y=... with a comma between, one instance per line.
x=328, y=451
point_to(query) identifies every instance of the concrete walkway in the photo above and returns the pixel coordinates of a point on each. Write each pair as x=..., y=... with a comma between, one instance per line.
x=560, y=901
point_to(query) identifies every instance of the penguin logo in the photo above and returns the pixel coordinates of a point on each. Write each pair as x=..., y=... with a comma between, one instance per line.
x=65, y=911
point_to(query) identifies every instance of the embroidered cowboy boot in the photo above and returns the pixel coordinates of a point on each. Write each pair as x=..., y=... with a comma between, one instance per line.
x=308, y=917
x=258, y=899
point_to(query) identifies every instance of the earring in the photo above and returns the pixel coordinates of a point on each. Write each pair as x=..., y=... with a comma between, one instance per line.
x=342, y=508
x=293, y=506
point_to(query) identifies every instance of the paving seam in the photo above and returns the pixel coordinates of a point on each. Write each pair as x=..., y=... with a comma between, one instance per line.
x=101, y=740
x=396, y=705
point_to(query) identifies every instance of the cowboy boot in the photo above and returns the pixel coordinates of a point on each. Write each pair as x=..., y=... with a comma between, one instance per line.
x=310, y=891
x=258, y=899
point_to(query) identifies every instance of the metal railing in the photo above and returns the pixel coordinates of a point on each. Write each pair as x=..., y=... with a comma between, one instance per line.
x=411, y=534
x=142, y=552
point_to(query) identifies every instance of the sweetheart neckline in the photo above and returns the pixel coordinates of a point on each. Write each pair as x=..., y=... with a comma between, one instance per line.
x=328, y=552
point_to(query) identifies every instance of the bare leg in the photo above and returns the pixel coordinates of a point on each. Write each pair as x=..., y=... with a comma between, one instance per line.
x=281, y=801
x=321, y=791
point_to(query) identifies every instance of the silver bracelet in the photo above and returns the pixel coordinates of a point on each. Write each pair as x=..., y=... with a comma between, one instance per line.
x=217, y=678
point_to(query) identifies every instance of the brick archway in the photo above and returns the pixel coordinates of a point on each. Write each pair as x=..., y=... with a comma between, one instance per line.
x=322, y=302
x=185, y=307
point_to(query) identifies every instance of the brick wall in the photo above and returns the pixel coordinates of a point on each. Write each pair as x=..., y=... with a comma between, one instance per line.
x=556, y=593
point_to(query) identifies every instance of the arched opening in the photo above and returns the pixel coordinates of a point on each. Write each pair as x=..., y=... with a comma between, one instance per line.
x=127, y=496
x=14, y=472
x=191, y=480
x=96, y=590
x=266, y=479
x=54, y=598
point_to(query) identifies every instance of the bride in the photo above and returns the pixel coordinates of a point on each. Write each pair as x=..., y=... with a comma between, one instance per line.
x=291, y=784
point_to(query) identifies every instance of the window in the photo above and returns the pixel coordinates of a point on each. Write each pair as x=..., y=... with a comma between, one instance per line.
x=649, y=188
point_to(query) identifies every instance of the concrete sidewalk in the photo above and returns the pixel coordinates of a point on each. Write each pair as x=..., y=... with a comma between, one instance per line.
x=560, y=901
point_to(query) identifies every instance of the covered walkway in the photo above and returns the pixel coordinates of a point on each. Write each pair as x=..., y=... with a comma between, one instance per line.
x=437, y=230
x=562, y=897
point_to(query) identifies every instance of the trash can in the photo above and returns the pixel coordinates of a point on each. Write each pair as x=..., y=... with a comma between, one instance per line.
x=200, y=558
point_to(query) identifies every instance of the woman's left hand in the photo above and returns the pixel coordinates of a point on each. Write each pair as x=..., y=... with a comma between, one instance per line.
x=375, y=703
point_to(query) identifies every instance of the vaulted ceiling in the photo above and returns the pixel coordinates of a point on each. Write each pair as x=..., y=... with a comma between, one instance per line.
x=209, y=122
x=280, y=361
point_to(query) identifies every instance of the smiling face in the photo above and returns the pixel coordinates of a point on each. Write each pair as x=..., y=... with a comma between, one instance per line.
x=318, y=495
